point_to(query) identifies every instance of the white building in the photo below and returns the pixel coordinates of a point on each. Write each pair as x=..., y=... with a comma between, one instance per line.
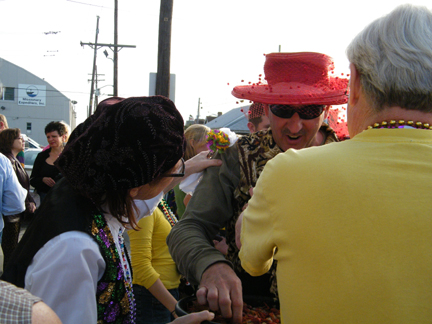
x=30, y=103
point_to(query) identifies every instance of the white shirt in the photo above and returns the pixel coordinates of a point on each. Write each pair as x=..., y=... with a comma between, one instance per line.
x=65, y=273
x=66, y=270
x=12, y=194
x=147, y=207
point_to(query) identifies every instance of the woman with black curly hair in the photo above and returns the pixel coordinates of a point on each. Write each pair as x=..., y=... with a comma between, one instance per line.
x=44, y=174
x=73, y=254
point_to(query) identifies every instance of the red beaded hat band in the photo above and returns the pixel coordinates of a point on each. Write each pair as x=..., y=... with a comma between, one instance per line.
x=297, y=79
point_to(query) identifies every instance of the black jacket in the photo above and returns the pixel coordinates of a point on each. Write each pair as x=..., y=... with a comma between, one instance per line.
x=42, y=169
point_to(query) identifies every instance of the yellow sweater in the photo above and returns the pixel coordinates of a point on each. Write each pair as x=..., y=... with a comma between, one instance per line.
x=351, y=227
x=149, y=253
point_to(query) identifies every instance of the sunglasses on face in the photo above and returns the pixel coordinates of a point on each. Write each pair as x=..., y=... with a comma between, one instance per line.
x=304, y=112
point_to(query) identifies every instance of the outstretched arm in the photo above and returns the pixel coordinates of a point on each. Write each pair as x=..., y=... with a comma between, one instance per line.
x=221, y=289
x=198, y=163
x=191, y=240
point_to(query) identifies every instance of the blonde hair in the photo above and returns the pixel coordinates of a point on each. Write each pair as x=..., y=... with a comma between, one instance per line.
x=4, y=121
x=197, y=133
x=68, y=130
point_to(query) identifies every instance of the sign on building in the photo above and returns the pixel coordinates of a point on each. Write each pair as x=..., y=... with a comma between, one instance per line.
x=31, y=95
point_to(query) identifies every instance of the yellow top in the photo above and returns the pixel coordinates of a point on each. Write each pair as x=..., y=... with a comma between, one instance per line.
x=350, y=224
x=149, y=253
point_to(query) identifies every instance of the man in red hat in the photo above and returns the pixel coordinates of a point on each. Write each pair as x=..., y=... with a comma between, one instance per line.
x=366, y=256
x=296, y=98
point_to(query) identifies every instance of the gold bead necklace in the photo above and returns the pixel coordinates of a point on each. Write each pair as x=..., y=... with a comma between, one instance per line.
x=400, y=124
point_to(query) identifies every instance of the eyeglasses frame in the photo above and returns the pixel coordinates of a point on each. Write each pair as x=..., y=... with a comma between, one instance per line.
x=176, y=175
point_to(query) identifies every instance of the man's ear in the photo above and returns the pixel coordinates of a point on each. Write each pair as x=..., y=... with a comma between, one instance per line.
x=251, y=127
x=326, y=111
x=355, y=86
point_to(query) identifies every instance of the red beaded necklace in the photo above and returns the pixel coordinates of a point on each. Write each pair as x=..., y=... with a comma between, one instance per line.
x=169, y=215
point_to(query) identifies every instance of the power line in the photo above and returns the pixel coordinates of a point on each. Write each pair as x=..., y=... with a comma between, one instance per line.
x=110, y=7
x=89, y=4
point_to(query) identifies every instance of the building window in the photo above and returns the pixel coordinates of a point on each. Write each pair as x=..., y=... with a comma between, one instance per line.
x=7, y=93
x=28, y=127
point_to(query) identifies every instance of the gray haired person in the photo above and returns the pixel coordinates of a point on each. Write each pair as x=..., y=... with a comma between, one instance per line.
x=365, y=257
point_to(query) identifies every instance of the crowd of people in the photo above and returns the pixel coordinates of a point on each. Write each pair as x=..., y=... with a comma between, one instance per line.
x=331, y=230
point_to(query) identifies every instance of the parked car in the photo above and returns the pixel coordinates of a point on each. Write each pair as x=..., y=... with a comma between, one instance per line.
x=31, y=143
x=29, y=158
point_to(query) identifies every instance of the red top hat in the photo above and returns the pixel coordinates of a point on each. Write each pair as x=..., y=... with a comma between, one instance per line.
x=297, y=79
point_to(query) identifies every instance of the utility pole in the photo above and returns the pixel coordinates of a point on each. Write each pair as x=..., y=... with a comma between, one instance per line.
x=97, y=90
x=115, y=85
x=111, y=46
x=94, y=69
x=164, y=49
x=198, y=113
x=96, y=46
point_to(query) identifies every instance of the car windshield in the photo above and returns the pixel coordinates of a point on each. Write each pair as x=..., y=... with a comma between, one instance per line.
x=30, y=157
x=30, y=143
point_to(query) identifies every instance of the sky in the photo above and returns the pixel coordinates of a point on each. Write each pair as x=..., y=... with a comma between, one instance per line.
x=214, y=45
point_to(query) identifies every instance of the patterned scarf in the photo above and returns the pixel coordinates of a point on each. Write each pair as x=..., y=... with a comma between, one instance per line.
x=255, y=150
x=115, y=302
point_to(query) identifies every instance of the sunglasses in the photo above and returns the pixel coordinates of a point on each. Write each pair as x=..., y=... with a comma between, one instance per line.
x=180, y=172
x=304, y=112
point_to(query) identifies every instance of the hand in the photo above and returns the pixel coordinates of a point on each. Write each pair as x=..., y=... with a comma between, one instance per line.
x=194, y=318
x=200, y=162
x=221, y=245
x=48, y=181
x=221, y=289
x=31, y=207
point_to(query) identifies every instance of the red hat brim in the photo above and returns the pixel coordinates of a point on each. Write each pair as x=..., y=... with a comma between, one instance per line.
x=295, y=93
